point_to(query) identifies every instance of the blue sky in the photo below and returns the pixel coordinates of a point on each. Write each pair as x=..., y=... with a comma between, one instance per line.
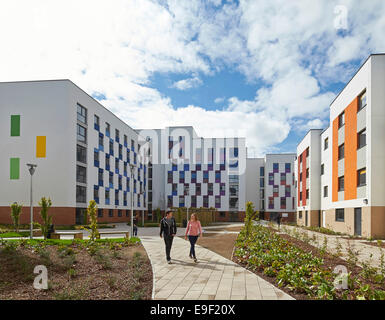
x=264, y=70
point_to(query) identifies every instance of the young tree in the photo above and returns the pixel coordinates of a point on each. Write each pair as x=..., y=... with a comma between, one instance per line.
x=250, y=215
x=15, y=214
x=45, y=205
x=93, y=218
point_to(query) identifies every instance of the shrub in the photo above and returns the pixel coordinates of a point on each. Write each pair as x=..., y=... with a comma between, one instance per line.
x=45, y=204
x=15, y=215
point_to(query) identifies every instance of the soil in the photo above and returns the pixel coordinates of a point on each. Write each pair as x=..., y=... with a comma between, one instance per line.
x=105, y=276
x=375, y=244
x=330, y=262
x=237, y=229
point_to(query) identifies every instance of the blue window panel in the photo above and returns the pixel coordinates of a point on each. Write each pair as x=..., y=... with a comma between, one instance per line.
x=144, y=168
x=107, y=168
x=174, y=167
x=193, y=175
x=222, y=167
x=96, y=163
x=275, y=167
x=133, y=148
x=117, y=139
x=125, y=203
x=107, y=133
x=175, y=193
x=101, y=148
x=96, y=126
x=141, y=166
x=116, y=202
x=205, y=175
x=235, y=152
x=117, y=170
x=287, y=167
x=262, y=171
x=210, y=167
x=181, y=174
x=234, y=164
x=262, y=182
x=198, y=167
x=107, y=201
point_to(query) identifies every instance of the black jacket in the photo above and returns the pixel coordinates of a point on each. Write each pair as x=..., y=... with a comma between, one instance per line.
x=167, y=229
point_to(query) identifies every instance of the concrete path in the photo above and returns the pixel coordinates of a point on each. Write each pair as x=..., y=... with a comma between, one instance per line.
x=212, y=278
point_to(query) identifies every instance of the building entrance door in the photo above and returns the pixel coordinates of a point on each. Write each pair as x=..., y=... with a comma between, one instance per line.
x=358, y=221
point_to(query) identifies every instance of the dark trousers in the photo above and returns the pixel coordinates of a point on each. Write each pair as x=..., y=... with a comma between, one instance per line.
x=193, y=240
x=135, y=231
x=168, y=242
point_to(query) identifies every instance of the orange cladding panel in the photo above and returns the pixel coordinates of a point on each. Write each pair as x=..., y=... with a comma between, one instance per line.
x=335, y=161
x=351, y=151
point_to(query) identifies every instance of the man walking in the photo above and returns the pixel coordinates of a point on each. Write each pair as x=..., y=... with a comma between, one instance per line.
x=168, y=230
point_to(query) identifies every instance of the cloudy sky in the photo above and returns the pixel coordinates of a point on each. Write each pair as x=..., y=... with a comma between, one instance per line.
x=263, y=69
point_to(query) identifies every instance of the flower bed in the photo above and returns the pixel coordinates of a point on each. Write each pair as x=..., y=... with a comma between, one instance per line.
x=302, y=270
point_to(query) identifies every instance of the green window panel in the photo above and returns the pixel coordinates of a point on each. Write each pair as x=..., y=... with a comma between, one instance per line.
x=15, y=125
x=15, y=168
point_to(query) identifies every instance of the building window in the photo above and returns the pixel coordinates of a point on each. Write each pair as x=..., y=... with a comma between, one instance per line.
x=108, y=129
x=81, y=174
x=341, y=120
x=198, y=189
x=117, y=135
x=262, y=171
x=81, y=133
x=132, y=145
x=233, y=203
x=96, y=120
x=111, y=144
x=82, y=114
x=283, y=203
x=234, y=190
x=107, y=162
x=340, y=215
x=262, y=182
x=307, y=152
x=81, y=154
x=119, y=213
x=96, y=194
x=361, y=139
x=96, y=158
x=341, y=183
x=287, y=167
x=107, y=196
x=110, y=213
x=111, y=180
x=120, y=152
x=271, y=203
x=116, y=165
x=275, y=167
x=307, y=194
x=100, y=177
x=326, y=191
x=341, y=152
x=101, y=140
x=307, y=173
x=361, y=176
x=362, y=101
x=326, y=143
x=233, y=178
x=100, y=213
x=276, y=189
x=322, y=169
x=300, y=214
x=125, y=140
x=81, y=194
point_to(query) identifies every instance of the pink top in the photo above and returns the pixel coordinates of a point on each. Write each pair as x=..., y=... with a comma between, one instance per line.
x=194, y=228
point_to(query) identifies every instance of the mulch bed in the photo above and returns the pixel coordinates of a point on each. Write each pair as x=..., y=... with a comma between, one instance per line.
x=375, y=244
x=330, y=262
x=124, y=275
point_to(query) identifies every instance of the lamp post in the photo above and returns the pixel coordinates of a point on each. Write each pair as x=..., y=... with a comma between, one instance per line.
x=31, y=168
x=132, y=167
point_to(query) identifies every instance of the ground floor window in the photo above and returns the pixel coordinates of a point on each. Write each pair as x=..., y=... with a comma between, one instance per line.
x=300, y=214
x=340, y=215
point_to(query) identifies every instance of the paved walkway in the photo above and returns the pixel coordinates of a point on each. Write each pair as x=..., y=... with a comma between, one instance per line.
x=212, y=278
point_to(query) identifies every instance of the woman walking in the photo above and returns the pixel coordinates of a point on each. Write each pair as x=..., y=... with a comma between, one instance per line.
x=193, y=231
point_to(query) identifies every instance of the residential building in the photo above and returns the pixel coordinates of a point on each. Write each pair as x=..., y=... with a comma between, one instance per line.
x=351, y=157
x=82, y=152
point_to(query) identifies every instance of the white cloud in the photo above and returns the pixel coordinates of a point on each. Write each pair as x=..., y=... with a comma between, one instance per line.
x=186, y=84
x=114, y=47
x=219, y=100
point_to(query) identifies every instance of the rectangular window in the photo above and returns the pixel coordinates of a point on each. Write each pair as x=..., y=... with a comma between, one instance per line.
x=81, y=194
x=100, y=177
x=276, y=189
x=81, y=174
x=81, y=154
x=116, y=165
x=15, y=125
x=341, y=120
x=262, y=171
x=198, y=190
x=117, y=135
x=262, y=182
x=14, y=168
x=110, y=213
x=125, y=140
x=361, y=176
x=322, y=169
x=271, y=203
x=283, y=203
x=81, y=114
x=234, y=190
x=300, y=214
x=111, y=179
x=340, y=215
x=108, y=129
x=307, y=152
x=307, y=173
x=120, y=152
x=361, y=139
x=132, y=145
x=205, y=201
x=275, y=167
x=233, y=178
x=96, y=158
x=107, y=196
x=341, y=152
x=288, y=167
x=341, y=183
x=169, y=177
x=326, y=191
x=307, y=194
x=81, y=134
x=96, y=194
x=101, y=140
x=326, y=143
x=100, y=213
x=287, y=191
x=362, y=101
x=96, y=120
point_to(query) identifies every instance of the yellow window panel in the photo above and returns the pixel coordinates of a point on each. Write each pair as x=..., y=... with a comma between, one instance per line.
x=41, y=142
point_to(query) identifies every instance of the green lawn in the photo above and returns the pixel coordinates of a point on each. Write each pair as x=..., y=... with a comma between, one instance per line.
x=14, y=234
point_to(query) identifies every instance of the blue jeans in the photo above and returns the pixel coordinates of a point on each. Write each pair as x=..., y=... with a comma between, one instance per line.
x=193, y=240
